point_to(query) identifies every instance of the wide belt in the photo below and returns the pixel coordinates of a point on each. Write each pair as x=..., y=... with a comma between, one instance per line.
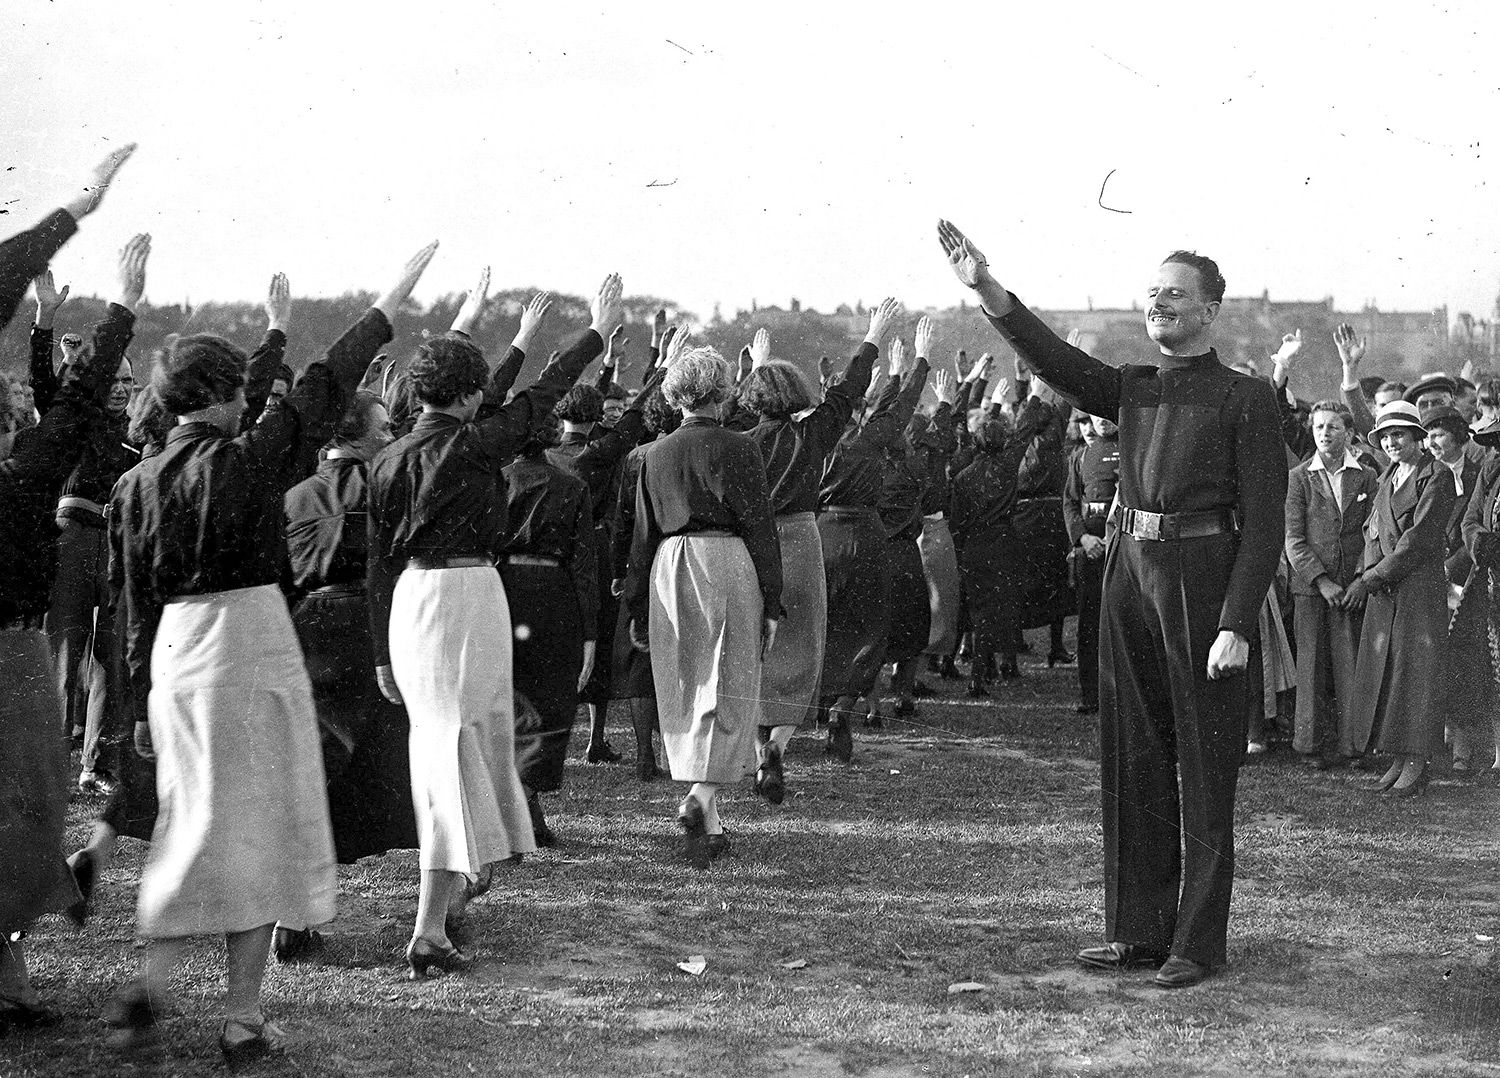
x=338, y=591
x=82, y=510
x=1096, y=509
x=533, y=559
x=1164, y=527
x=424, y=561
x=708, y=533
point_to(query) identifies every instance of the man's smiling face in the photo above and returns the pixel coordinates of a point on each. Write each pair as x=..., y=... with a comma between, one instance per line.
x=1176, y=311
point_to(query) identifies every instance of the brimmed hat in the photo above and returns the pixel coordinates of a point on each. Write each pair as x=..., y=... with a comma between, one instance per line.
x=1487, y=433
x=1398, y=414
x=1449, y=418
x=1428, y=382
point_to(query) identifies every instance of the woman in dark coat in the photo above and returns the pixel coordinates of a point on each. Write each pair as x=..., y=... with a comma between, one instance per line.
x=991, y=553
x=856, y=561
x=547, y=566
x=795, y=439
x=1474, y=634
x=363, y=735
x=1403, y=660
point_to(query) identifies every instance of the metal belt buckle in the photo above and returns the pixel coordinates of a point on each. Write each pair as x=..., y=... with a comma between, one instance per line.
x=1147, y=525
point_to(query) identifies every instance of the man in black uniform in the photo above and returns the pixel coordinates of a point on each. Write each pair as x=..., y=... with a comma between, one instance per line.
x=1093, y=475
x=1200, y=528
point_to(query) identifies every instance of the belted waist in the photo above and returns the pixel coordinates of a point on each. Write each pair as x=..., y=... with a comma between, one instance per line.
x=849, y=510
x=424, y=561
x=533, y=559
x=799, y=515
x=1096, y=509
x=82, y=510
x=1039, y=498
x=1162, y=527
x=708, y=533
x=338, y=591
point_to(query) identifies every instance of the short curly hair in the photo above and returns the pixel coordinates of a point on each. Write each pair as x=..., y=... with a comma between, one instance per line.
x=660, y=416
x=775, y=390
x=994, y=429
x=700, y=377
x=197, y=372
x=447, y=369
x=581, y=404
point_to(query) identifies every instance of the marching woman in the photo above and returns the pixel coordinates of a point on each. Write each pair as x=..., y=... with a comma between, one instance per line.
x=364, y=735
x=440, y=618
x=33, y=760
x=705, y=583
x=794, y=440
x=990, y=552
x=551, y=584
x=856, y=562
x=242, y=838
x=935, y=544
x=1403, y=661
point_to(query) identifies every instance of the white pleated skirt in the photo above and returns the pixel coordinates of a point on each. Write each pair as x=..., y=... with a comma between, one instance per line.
x=705, y=656
x=450, y=640
x=242, y=837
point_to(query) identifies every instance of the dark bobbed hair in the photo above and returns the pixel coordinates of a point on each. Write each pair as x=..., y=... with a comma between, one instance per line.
x=198, y=372
x=1209, y=277
x=581, y=404
x=1450, y=420
x=992, y=433
x=446, y=369
x=544, y=435
x=775, y=390
x=659, y=415
x=358, y=418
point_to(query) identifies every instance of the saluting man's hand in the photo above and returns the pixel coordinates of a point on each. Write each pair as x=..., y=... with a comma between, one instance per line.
x=1229, y=655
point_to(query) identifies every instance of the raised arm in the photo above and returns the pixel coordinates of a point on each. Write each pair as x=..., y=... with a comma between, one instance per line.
x=509, y=369
x=472, y=306
x=839, y=397
x=1351, y=351
x=44, y=379
x=613, y=349
x=1095, y=386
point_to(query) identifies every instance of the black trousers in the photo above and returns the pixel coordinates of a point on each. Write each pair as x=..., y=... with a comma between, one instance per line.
x=1168, y=857
x=1088, y=582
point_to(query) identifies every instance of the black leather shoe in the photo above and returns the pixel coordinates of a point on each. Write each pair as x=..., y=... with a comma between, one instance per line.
x=603, y=753
x=840, y=740
x=717, y=845
x=1061, y=658
x=947, y=670
x=694, y=833
x=295, y=944
x=646, y=768
x=770, y=779
x=539, y=829
x=1180, y=973
x=423, y=955
x=976, y=689
x=1116, y=957
x=131, y=1017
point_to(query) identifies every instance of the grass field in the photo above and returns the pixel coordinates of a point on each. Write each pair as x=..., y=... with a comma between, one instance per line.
x=963, y=846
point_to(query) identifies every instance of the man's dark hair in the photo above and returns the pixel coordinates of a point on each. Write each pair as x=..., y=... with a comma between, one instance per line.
x=198, y=372
x=581, y=404
x=446, y=369
x=1399, y=388
x=1209, y=277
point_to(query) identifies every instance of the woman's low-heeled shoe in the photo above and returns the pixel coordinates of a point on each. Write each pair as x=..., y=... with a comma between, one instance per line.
x=717, y=845
x=694, y=833
x=269, y=1040
x=422, y=955
x=1415, y=789
x=131, y=1017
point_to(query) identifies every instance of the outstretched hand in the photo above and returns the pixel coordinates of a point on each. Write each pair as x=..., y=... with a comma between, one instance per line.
x=87, y=201
x=472, y=306
x=897, y=362
x=658, y=327
x=607, y=309
x=48, y=299
x=279, y=303
x=614, y=348
x=676, y=346
x=532, y=316
x=960, y=362
x=1001, y=393
x=1291, y=344
x=411, y=273
x=760, y=348
x=1351, y=348
x=882, y=318
x=133, y=258
x=942, y=385
x=972, y=269
x=925, y=332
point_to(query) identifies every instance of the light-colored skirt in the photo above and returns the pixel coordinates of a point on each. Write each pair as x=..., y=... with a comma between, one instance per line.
x=1278, y=670
x=451, y=655
x=789, y=681
x=34, y=879
x=705, y=656
x=940, y=565
x=242, y=835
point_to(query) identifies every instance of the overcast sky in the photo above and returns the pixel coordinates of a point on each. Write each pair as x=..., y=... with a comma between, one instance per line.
x=800, y=149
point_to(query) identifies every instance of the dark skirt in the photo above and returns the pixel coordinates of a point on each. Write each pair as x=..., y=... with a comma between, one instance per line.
x=911, y=611
x=992, y=566
x=630, y=675
x=1042, y=562
x=364, y=736
x=546, y=662
x=856, y=563
x=600, y=683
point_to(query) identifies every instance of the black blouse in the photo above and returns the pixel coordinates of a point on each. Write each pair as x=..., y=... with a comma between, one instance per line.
x=595, y=457
x=795, y=450
x=437, y=492
x=984, y=493
x=326, y=535
x=699, y=478
x=547, y=514
x=853, y=474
